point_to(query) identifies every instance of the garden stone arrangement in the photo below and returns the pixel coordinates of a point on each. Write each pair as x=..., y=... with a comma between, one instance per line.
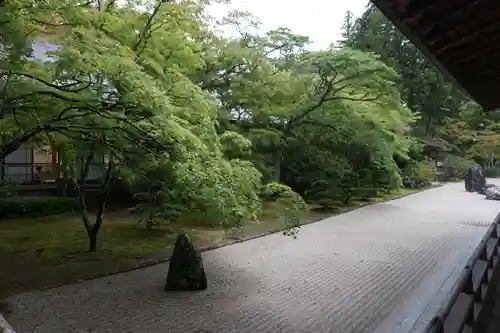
x=475, y=180
x=185, y=271
x=281, y=162
x=492, y=192
x=362, y=271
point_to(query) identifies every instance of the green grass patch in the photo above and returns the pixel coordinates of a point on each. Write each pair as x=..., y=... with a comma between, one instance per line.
x=47, y=251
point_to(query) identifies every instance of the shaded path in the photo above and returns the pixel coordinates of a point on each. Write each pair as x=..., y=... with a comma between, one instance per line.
x=345, y=274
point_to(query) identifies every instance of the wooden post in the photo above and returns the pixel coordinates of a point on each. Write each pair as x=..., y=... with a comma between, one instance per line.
x=2, y=163
x=55, y=161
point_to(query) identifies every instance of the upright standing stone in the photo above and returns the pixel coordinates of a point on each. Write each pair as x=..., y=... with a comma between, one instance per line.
x=478, y=179
x=468, y=181
x=185, y=270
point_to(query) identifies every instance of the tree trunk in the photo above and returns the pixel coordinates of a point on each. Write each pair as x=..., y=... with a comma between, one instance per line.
x=151, y=208
x=2, y=171
x=94, y=230
x=92, y=240
x=84, y=171
x=428, y=125
x=277, y=157
x=2, y=163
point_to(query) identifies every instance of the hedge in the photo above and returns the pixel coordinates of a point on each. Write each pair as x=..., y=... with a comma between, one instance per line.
x=491, y=172
x=36, y=206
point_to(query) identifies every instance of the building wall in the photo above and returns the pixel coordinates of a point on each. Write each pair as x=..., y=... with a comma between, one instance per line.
x=97, y=169
x=18, y=165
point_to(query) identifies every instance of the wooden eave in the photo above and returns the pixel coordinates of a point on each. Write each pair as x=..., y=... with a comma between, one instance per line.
x=461, y=38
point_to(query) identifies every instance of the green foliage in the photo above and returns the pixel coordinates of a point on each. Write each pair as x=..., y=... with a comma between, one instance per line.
x=225, y=192
x=7, y=189
x=158, y=200
x=130, y=94
x=421, y=85
x=348, y=187
x=419, y=173
x=235, y=145
x=274, y=191
x=456, y=166
x=441, y=110
x=492, y=172
x=293, y=204
x=195, y=122
x=475, y=133
x=36, y=206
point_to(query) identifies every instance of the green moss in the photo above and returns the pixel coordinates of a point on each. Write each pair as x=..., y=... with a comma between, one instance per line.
x=46, y=251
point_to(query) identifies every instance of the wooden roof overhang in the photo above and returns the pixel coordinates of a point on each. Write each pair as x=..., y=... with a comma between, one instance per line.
x=461, y=37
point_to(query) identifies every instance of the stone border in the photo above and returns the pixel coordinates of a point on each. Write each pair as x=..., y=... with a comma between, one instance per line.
x=4, y=326
x=151, y=262
x=147, y=262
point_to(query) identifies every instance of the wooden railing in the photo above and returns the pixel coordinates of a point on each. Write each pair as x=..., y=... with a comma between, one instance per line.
x=468, y=305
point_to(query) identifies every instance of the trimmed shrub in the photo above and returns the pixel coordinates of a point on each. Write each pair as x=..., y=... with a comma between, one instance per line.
x=367, y=193
x=491, y=172
x=36, y=206
x=274, y=191
x=7, y=190
x=456, y=166
x=293, y=204
x=419, y=174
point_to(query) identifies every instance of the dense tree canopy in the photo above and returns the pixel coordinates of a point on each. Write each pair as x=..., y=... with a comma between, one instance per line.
x=443, y=111
x=196, y=121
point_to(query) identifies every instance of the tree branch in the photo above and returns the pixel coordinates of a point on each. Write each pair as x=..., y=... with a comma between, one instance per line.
x=329, y=126
x=145, y=33
x=312, y=107
x=51, y=126
x=11, y=146
x=64, y=88
x=53, y=94
x=84, y=171
x=2, y=94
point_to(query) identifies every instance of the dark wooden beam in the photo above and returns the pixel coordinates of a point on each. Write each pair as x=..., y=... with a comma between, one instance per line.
x=385, y=6
x=470, y=41
x=433, y=11
x=479, y=45
x=440, y=33
x=460, y=37
x=492, y=51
